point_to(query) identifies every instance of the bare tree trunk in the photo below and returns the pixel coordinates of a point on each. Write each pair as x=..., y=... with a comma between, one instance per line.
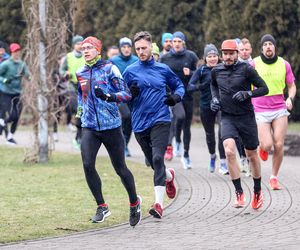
x=42, y=100
x=48, y=29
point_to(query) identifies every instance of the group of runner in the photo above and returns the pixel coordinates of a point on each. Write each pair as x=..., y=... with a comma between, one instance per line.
x=151, y=94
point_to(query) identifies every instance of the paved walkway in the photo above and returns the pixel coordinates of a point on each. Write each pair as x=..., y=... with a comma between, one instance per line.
x=202, y=215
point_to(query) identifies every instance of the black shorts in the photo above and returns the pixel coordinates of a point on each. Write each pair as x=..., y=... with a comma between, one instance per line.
x=233, y=126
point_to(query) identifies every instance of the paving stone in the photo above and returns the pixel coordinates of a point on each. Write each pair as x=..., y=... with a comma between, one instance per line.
x=202, y=215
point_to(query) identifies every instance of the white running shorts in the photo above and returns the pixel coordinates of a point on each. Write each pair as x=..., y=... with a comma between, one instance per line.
x=269, y=116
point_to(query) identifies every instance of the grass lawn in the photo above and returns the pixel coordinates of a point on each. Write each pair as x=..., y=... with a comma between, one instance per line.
x=294, y=127
x=53, y=199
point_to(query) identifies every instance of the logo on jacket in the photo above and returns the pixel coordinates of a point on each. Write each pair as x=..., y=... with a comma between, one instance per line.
x=84, y=88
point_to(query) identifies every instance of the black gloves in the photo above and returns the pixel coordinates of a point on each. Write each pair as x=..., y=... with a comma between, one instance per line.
x=99, y=93
x=215, y=105
x=105, y=97
x=172, y=100
x=134, y=90
x=242, y=96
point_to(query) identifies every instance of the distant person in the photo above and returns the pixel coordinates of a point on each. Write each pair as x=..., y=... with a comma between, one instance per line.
x=183, y=63
x=72, y=62
x=147, y=80
x=61, y=101
x=12, y=71
x=112, y=51
x=122, y=61
x=101, y=87
x=3, y=54
x=200, y=81
x=245, y=51
x=166, y=42
x=155, y=51
x=271, y=111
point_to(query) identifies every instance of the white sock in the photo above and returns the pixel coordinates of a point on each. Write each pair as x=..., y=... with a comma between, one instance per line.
x=159, y=194
x=223, y=161
x=10, y=136
x=168, y=175
x=273, y=177
x=2, y=123
x=212, y=156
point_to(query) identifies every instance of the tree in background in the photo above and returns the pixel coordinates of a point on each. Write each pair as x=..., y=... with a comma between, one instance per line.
x=12, y=23
x=202, y=21
x=47, y=34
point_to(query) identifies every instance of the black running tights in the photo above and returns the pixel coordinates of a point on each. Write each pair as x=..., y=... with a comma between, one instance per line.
x=113, y=141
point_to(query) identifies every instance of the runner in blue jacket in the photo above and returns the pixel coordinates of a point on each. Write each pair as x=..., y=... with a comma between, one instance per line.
x=148, y=81
x=101, y=86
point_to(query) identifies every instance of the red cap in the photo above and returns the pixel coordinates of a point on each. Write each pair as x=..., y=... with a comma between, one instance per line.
x=94, y=41
x=229, y=45
x=14, y=47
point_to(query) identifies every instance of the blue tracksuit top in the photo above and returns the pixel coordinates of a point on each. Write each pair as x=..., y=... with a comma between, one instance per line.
x=152, y=78
x=122, y=62
x=97, y=114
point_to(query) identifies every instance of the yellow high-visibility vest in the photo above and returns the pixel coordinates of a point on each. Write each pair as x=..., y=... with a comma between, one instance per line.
x=273, y=74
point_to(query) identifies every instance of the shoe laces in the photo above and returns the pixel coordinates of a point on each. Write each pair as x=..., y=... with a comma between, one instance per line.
x=257, y=196
x=239, y=196
x=101, y=209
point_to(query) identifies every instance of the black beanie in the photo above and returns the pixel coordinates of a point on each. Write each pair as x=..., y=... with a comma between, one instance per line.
x=268, y=38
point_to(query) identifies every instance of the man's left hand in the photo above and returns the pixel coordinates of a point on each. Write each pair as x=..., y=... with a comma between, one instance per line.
x=242, y=96
x=172, y=100
x=105, y=97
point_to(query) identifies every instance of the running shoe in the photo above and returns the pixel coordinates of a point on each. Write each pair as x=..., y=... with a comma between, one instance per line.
x=244, y=163
x=248, y=171
x=245, y=167
x=147, y=163
x=127, y=152
x=135, y=213
x=263, y=154
x=71, y=127
x=187, y=163
x=2, y=125
x=240, y=200
x=11, y=141
x=156, y=210
x=101, y=213
x=170, y=185
x=55, y=136
x=177, y=150
x=212, y=164
x=257, y=200
x=169, y=153
x=223, y=168
x=76, y=145
x=274, y=185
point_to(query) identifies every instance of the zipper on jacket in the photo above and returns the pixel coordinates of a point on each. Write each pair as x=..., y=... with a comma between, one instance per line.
x=110, y=113
x=93, y=98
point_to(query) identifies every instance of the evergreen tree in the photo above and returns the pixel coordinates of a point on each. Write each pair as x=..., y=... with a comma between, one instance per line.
x=12, y=24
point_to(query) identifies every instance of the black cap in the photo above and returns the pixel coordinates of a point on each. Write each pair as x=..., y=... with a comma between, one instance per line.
x=268, y=38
